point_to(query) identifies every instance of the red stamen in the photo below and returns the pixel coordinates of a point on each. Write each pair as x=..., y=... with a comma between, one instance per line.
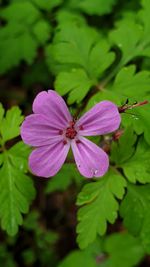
x=70, y=131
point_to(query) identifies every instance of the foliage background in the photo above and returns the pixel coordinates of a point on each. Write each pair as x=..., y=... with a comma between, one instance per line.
x=87, y=51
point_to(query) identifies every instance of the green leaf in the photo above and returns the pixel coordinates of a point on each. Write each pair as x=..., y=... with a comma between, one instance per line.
x=76, y=82
x=27, y=14
x=137, y=168
x=78, y=258
x=129, y=46
x=42, y=31
x=145, y=20
x=94, y=7
x=18, y=155
x=14, y=46
x=66, y=15
x=103, y=95
x=136, y=205
x=120, y=151
x=79, y=55
x=47, y=4
x=137, y=30
x=100, y=207
x=72, y=44
x=1, y=113
x=65, y=177
x=130, y=84
x=135, y=163
x=22, y=34
x=16, y=189
x=140, y=119
x=10, y=125
x=123, y=250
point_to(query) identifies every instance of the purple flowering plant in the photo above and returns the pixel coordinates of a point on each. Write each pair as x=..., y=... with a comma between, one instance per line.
x=51, y=130
x=94, y=123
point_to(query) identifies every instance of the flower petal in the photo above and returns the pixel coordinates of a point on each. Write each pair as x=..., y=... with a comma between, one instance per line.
x=53, y=106
x=46, y=161
x=103, y=118
x=91, y=160
x=37, y=130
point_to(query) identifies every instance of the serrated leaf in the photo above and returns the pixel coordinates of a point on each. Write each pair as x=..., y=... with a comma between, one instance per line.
x=72, y=43
x=129, y=46
x=120, y=151
x=139, y=119
x=64, y=178
x=137, y=30
x=100, y=207
x=22, y=34
x=95, y=7
x=76, y=82
x=123, y=250
x=18, y=155
x=136, y=205
x=80, y=48
x=65, y=16
x=137, y=168
x=16, y=191
x=10, y=126
x=131, y=84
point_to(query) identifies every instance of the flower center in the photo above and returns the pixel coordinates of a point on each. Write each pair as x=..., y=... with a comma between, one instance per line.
x=70, y=131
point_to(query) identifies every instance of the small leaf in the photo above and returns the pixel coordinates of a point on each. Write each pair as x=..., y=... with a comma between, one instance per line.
x=23, y=33
x=94, y=7
x=47, y=4
x=123, y=250
x=136, y=205
x=27, y=12
x=131, y=84
x=10, y=127
x=16, y=191
x=137, y=168
x=78, y=258
x=42, y=31
x=100, y=207
x=129, y=46
x=76, y=82
x=120, y=151
x=79, y=56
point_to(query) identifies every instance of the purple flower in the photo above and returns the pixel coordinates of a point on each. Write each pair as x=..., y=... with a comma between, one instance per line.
x=52, y=131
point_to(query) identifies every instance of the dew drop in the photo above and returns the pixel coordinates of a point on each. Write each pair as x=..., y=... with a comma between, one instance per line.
x=79, y=165
x=95, y=172
x=135, y=117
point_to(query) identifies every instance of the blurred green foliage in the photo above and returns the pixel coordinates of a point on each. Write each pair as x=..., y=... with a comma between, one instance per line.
x=87, y=51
